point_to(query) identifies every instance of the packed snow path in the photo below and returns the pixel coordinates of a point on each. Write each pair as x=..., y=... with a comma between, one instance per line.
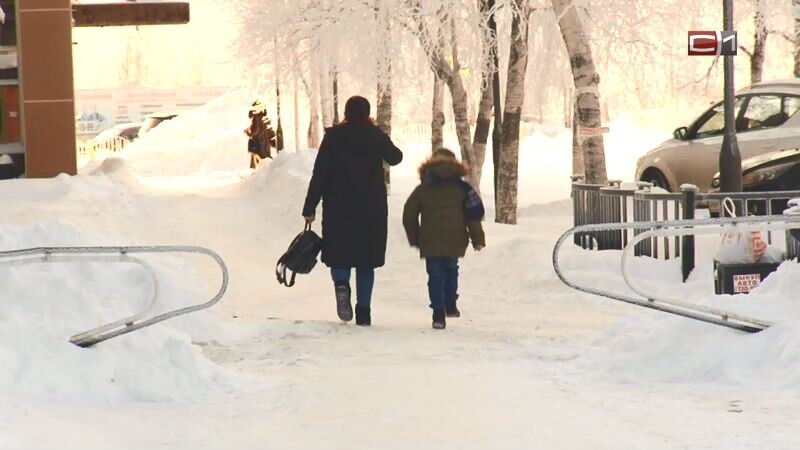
x=526, y=366
x=531, y=363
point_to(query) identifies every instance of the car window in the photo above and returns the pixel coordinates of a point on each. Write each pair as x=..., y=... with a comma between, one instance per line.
x=791, y=105
x=130, y=133
x=715, y=124
x=764, y=111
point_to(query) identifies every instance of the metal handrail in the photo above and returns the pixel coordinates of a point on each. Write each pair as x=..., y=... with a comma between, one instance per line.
x=626, y=257
x=132, y=323
x=696, y=312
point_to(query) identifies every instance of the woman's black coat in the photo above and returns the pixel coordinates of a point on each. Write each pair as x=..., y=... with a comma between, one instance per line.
x=348, y=177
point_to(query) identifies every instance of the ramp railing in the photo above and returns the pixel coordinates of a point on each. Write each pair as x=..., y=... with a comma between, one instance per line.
x=122, y=255
x=668, y=229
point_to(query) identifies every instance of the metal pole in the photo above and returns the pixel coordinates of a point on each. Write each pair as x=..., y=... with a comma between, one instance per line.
x=687, y=242
x=730, y=161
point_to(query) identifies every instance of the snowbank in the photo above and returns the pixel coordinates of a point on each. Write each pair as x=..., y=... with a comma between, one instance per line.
x=44, y=304
x=205, y=141
x=644, y=345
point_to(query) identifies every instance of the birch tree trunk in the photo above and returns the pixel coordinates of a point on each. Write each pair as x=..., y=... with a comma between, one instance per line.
x=506, y=208
x=313, y=106
x=452, y=77
x=796, y=15
x=586, y=80
x=578, y=170
x=437, y=113
x=335, y=76
x=326, y=97
x=296, y=118
x=482, y=125
x=484, y=118
x=759, y=44
x=461, y=115
x=497, y=131
x=458, y=95
x=279, y=129
x=437, y=108
x=383, y=114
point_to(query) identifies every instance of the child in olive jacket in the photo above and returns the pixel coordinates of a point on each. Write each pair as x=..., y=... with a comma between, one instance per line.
x=451, y=213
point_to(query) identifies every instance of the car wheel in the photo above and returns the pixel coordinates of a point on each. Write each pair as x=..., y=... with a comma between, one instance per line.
x=657, y=178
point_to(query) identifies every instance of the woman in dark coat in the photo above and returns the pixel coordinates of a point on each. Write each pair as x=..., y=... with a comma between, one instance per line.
x=348, y=178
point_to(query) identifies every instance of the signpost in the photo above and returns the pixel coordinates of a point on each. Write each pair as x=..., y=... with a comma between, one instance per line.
x=730, y=160
x=723, y=43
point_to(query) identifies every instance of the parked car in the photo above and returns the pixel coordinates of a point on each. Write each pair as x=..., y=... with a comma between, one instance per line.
x=766, y=121
x=91, y=123
x=776, y=171
x=153, y=120
x=128, y=131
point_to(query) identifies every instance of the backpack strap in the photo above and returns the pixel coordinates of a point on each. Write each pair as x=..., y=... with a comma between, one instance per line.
x=280, y=267
x=280, y=274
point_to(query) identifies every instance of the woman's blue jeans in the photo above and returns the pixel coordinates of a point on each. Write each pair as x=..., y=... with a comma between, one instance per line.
x=365, y=280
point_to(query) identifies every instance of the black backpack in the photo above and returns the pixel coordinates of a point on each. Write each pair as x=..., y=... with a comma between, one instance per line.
x=473, y=205
x=301, y=256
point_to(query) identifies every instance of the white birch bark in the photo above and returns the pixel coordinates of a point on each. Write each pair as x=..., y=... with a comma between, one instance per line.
x=313, y=106
x=578, y=170
x=484, y=117
x=296, y=118
x=452, y=78
x=437, y=114
x=506, y=208
x=759, y=43
x=325, y=92
x=586, y=81
x=796, y=15
x=383, y=114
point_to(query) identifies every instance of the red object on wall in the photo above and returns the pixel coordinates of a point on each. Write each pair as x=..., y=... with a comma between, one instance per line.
x=10, y=132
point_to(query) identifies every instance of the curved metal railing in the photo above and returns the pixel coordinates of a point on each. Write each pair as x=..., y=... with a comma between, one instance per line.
x=670, y=228
x=135, y=321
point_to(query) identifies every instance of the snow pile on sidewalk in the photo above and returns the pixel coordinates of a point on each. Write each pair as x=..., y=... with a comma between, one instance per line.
x=202, y=142
x=645, y=345
x=45, y=304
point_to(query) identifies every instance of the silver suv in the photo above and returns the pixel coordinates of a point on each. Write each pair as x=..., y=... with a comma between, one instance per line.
x=766, y=121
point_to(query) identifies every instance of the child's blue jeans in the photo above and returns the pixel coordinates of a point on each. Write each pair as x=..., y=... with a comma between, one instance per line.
x=442, y=280
x=365, y=280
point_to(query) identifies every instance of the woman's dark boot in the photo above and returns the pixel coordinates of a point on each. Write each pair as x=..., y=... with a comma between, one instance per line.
x=438, y=319
x=363, y=316
x=451, y=309
x=344, y=309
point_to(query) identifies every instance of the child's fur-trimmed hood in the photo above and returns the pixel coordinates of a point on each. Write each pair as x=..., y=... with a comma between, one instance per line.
x=442, y=168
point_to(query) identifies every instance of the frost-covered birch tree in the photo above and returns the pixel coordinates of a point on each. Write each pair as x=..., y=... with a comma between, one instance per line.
x=507, y=180
x=484, y=117
x=587, y=93
x=437, y=114
x=383, y=115
x=796, y=37
x=428, y=20
x=760, y=33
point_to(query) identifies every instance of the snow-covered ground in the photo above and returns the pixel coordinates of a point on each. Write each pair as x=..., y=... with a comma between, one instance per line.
x=531, y=363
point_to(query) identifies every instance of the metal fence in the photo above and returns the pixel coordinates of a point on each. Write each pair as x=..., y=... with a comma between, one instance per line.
x=91, y=149
x=649, y=205
x=613, y=203
x=601, y=203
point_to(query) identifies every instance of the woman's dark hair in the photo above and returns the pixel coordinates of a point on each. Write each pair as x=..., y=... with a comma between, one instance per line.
x=445, y=153
x=356, y=108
